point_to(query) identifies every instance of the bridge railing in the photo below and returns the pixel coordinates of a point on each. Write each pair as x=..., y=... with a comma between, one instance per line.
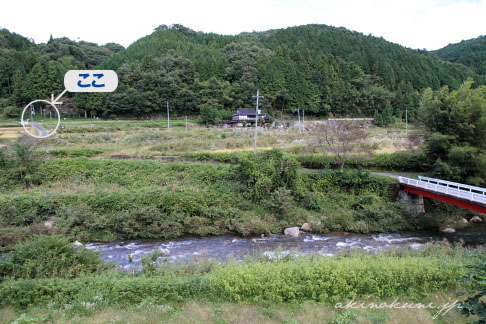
x=475, y=194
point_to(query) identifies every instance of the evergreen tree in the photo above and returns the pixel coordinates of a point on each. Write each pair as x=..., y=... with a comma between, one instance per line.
x=17, y=81
x=36, y=84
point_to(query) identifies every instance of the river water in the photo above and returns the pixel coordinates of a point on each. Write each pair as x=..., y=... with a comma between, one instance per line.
x=276, y=245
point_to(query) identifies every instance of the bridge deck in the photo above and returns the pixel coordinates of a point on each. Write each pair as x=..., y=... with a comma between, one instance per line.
x=475, y=195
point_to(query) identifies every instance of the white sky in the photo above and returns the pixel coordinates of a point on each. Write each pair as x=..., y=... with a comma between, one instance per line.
x=429, y=24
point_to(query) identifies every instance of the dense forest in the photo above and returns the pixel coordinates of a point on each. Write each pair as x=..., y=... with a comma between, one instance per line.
x=325, y=70
x=471, y=53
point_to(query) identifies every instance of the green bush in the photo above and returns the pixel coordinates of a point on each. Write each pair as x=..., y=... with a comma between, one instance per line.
x=12, y=112
x=75, y=152
x=475, y=302
x=332, y=279
x=267, y=172
x=389, y=162
x=355, y=182
x=19, y=166
x=49, y=257
x=210, y=116
x=114, y=289
x=322, y=279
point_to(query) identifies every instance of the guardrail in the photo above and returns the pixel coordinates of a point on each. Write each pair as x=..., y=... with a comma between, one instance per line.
x=459, y=190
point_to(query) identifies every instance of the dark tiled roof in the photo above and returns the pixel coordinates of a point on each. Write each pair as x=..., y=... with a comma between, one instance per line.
x=245, y=111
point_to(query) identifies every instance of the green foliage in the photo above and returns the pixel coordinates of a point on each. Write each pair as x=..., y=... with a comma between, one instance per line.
x=471, y=53
x=475, y=303
x=343, y=318
x=400, y=161
x=75, y=152
x=19, y=166
x=11, y=112
x=333, y=279
x=210, y=116
x=48, y=257
x=267, y=172
x=146, y=199
x=325, y=69
x=456, y=122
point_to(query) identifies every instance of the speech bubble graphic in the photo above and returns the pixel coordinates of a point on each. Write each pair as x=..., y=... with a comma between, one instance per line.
x=91, y=80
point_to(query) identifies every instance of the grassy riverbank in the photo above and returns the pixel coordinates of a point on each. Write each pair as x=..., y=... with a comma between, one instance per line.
x=101, y=199
x=291, y=290
x=70, y=181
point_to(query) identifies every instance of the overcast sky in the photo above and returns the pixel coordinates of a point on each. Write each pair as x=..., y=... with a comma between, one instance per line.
x=429, y=24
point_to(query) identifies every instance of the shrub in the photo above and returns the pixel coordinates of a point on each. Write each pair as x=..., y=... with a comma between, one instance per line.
x=210, y=116
x=265, y=173
x=391, y=162
x=75, y=152
x=48, y=257
x=11, y=112
x=332, y=279
x=475, y=302
x=20, y=166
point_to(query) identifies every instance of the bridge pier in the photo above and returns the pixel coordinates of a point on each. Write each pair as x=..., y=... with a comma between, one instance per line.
x=413, y=202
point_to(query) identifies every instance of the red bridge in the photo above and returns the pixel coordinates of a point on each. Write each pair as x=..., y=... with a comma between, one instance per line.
x=458, y=194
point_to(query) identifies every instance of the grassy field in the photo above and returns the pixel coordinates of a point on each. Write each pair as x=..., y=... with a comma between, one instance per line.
x=151, y=137
x=204, y=312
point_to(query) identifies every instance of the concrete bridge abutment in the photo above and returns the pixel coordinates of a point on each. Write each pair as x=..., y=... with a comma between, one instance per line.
x=413, y=202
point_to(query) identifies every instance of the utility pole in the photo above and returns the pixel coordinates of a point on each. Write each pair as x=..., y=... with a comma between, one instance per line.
x=32, y=113
x=186, y=124
x=406, y=121
x=256, y=119
x=298, y=114
x=303, y=120
x=168, y=116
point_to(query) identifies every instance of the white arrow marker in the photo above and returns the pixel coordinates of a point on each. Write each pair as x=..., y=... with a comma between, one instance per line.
x=54, y=101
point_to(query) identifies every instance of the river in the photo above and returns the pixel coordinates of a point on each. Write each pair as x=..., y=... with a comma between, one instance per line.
x=185, y=249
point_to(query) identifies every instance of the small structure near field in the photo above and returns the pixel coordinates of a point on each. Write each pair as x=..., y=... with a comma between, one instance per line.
x=245, y=116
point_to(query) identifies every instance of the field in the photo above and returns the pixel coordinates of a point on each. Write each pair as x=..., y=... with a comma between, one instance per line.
x=10, y=132
x=151, y=137
x=202, y=312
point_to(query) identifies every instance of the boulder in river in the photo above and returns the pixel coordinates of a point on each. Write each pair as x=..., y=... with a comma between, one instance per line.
x=164, y=252
x=292, y=231
x=449, y=230
x=78, y=244
x=306, y=227
x=476, y=219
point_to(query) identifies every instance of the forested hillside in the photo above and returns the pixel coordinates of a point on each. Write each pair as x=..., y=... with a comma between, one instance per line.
x=322, y=69
x=29, y=71
x=471, y=53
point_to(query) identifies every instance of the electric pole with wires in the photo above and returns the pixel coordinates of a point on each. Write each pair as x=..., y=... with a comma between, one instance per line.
x=256, y=119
